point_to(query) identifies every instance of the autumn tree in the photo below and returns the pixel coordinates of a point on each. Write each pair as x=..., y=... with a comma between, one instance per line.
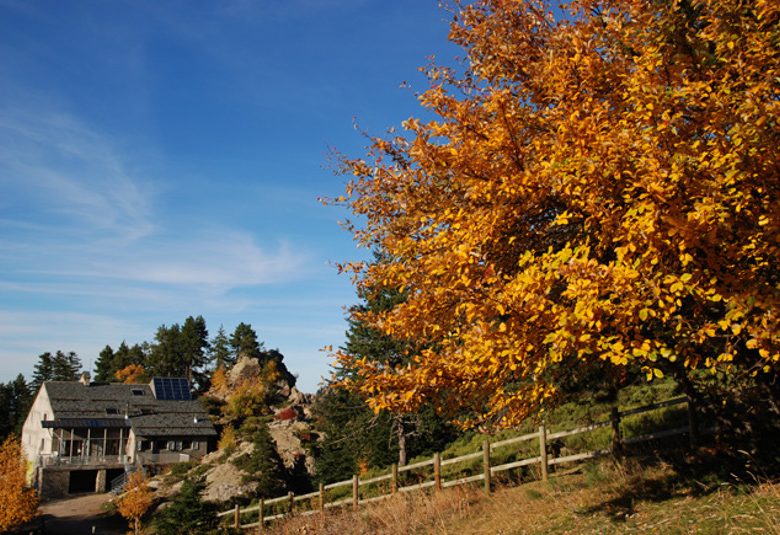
x=595, y=186
x=18, y=504
x=132, y=374
x=109, y=362
x=135, y=501
x=353, y=434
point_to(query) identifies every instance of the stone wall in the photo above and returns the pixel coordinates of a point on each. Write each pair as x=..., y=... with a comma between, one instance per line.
x=53, y=483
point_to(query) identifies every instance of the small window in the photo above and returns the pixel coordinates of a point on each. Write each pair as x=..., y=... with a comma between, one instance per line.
x=112, y=410
x=139, y=446
x=171, y=445
x=138, y=392
x=194, y=445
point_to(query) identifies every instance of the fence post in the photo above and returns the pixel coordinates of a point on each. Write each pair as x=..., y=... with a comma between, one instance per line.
x=237, y=517
x=261, y=516
x=693, y=423
x=617, y=439
x=437, y=470
x=322, y=497
x=290, y=502
x=394, y=479
x=543, y=451
x=355, y=492
x=486, y=463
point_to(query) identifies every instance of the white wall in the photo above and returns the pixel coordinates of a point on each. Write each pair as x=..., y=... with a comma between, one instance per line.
x=33, y=432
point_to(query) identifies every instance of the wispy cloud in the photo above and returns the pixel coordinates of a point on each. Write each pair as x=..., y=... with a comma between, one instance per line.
x=55, y=166
x=73, y=192
x=85, y=241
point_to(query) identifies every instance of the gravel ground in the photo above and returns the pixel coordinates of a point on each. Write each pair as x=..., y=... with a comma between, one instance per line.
x=79, y=515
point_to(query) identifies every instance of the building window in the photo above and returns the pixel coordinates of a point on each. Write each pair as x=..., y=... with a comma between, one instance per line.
x=194, y=445
x=112, y=410
x=138, y=392
x=171, y=445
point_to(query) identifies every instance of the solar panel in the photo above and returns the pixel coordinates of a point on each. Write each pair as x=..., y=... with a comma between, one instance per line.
x=172, y=388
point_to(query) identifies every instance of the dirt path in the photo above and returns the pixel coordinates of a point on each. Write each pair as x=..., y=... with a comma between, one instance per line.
x=78, y=515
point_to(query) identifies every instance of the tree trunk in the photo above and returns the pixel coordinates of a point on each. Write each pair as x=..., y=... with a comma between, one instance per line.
x=694, y=403
x=400, y=430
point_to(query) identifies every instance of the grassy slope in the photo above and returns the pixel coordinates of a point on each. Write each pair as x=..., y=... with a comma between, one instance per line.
x=598, y=498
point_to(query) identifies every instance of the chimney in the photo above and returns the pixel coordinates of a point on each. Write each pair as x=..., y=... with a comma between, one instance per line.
x=84, y=379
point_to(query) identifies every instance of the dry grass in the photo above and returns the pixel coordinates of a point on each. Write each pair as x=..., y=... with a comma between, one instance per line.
x=603, y=498
x=401, y=514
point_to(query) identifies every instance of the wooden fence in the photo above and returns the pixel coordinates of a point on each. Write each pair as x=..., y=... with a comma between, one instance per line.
x=318, y=503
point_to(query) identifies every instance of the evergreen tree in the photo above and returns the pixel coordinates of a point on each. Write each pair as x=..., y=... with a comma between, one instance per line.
x=347, y=420
x=21, y=400
x=15, y=400
x=125, y=356
x=188, y=513
x=110, y=362
x=104, y=365
x=244, y=342
x=220, y=350
x=352, y=435
x=43, y=370
x=195, y=345
x=166, y=358
x=66, y=366
x=181, y=351
x=263, y=464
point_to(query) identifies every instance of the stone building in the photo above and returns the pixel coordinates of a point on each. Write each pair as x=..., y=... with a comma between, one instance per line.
x=79, y=435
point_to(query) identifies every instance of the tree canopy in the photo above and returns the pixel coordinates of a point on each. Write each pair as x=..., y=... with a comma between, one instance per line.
x=18, y=504
x=58, y=367
x=597, y=186
x=244, y=342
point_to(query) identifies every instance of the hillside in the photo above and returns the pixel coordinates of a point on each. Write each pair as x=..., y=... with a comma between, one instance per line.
x=652, y=495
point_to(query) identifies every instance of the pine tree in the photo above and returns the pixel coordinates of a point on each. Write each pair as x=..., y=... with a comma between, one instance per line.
x=187, y=513
x=263, y=464
x=104, y=365
x=220, y=350
x=244, y=342
x=195, y=345
x=166, y=358
x=43, y=370
x=66, y=366
x=20, y=400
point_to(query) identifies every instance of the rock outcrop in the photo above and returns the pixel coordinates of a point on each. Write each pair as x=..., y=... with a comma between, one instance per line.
x=289, y=427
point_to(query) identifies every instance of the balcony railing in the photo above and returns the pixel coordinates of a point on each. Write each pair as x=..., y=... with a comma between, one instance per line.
x=86, y=460
x=166, y=457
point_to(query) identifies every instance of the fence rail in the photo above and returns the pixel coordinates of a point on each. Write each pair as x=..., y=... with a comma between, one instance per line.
x=542, y=459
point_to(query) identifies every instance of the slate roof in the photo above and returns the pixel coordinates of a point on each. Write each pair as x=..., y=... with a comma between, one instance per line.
x=106, y=404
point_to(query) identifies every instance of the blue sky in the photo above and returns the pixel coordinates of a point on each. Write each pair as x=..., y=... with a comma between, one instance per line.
x=164, y=159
